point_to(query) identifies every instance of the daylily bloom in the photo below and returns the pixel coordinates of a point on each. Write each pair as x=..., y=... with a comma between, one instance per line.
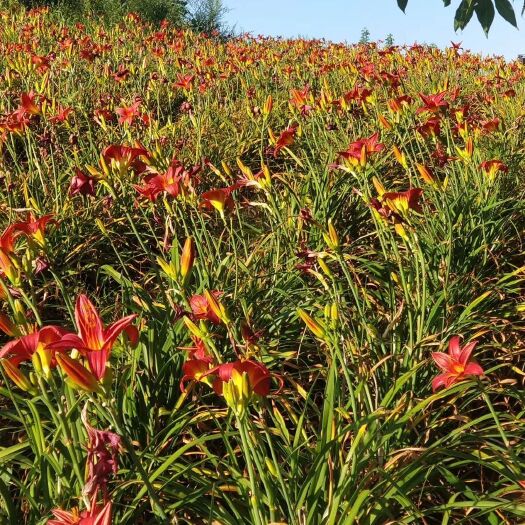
x=8, y=263
x=238, y=382
x=221, y=199
x=430, y=127
x=94, y=341
x=490, y=125
x=403, y=201
x=286, y=138
x=28, y=105
x=95, y=516
x=36, y=347
x=82, y=184
x=128, y=114
x=359, y=151
x=433, y=103
x=62, y=115
x=201, y=308
x=184, y=81
x=456, y=365
x=175, y=181
x=33, y=227
x=259, y=376
x=194, y=370
x=125, y=157
x=492, y=167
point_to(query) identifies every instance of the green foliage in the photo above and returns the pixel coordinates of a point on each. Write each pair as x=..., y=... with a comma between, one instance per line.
x=365, y=36
x=485, y=12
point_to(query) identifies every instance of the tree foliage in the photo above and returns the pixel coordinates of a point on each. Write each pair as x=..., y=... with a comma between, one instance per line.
x=485, y=11
x=201, y=15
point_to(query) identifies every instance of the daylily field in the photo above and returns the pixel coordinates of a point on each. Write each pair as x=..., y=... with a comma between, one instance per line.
x=256, y=281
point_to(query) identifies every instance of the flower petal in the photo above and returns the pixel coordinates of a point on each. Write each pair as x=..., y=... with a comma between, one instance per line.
x=444, y=361
x=473, y=369
x=90, y=326
x=466, y=352
x=454, y=349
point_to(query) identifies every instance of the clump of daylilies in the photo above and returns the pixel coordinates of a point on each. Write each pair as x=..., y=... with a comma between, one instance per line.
x=82, y=356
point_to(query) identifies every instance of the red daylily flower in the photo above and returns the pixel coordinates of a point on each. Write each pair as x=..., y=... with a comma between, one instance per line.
x=35, y=346
x=28, y=104
x=125, y=157
x=128, y=114
x=259, y=377
x=95, y=516
x=456, y=365
x=220, y=199
x=201, y=308
x=430, y=127
x=94, y=341
x=175, y=181
x=8, y=263
x=492, y=167
x=491, y=125
x=62, y=115
x=433, y=103
x=82, y=184
x=33, y=227
x=359, y=151
x=184, y=81
x=402, y=201
x=286, y=138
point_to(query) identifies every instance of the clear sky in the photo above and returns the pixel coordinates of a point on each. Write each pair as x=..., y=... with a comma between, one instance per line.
x=342, y=20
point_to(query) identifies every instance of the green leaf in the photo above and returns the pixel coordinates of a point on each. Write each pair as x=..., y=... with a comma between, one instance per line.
x=506, y=10
x=463, y=14
x=402, y=4
x=485, y=13
x=446, y=2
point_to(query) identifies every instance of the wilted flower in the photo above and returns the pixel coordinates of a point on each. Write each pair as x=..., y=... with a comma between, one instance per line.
x=102, y=459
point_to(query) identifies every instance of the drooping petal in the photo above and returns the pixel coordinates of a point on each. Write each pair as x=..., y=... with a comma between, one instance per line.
x=439, y=381
x=78, y=373
x=89, y=323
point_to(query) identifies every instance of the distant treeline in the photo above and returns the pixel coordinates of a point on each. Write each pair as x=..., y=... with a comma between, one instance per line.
x=201, y=15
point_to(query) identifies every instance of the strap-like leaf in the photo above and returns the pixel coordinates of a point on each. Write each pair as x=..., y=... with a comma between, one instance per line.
x=506, y=10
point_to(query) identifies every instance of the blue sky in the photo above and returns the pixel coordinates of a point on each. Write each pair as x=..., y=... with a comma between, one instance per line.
x=342, y=20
